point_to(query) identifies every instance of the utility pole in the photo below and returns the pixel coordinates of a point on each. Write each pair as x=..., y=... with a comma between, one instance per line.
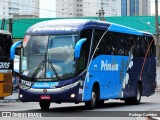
x=157, y=33
x=10, y=25
x=2, y=24
x=101, y=13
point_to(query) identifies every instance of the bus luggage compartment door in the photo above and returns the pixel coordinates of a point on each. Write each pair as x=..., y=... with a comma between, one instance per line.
x=5, y=84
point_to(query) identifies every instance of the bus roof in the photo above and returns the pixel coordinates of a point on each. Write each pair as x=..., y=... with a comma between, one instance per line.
x=5, y=32
x=67, y=26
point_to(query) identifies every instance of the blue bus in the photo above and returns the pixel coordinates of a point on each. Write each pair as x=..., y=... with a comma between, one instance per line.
x=89, y=61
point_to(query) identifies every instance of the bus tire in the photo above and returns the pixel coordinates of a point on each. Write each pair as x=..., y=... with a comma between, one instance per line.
x=100, y=103
x=92, y=103
x=44, y=105
x=135, y=100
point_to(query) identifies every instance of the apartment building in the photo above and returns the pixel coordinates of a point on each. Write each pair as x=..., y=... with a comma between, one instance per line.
x=14, y=8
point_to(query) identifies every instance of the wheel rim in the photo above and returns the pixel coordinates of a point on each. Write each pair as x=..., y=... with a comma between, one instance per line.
x=138, y=94
x=93, y=98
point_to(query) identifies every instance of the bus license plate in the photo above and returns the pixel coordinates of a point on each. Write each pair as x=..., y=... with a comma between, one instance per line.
x=45, y=97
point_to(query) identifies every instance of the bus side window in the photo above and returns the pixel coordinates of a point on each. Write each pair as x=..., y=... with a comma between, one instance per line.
x=99, y=49
x=122, y=44
x=135, y=46
x=152, y=47
x=141, y=47
x=1, y=51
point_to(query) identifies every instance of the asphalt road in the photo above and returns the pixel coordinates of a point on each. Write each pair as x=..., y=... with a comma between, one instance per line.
x=112, y=110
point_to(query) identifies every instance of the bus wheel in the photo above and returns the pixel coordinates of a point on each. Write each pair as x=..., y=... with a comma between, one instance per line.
x=100, y=103
x=135, y=100
x=44, y=105
x=92, y=103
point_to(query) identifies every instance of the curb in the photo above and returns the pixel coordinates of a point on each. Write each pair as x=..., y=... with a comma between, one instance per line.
x=157, y=88
x=8, y=101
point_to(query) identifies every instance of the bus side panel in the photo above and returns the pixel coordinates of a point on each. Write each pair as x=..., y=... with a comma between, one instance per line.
x=106, y=81
x=149, y=77
x=87, y=88
x=104, y=69
x=118, y=76
x=134, y=77
x=7, y=85
x=1, y=85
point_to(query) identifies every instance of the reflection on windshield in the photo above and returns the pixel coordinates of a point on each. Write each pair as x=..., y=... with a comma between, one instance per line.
x=61, y=54
x=49, y=56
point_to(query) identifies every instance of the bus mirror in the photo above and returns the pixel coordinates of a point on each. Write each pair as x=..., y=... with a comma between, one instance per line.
x=13, y=48
x=78, y=47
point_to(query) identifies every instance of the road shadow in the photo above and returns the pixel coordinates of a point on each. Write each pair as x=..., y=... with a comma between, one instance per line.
x=81, y=108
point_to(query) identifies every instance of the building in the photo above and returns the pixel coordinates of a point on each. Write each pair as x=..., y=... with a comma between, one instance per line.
x=29, y=8
x=12, y=8
x=111, y=7
x=76, y=8
x=73, y=8
x=69, y=8
x=135, y=7
x=91, y=8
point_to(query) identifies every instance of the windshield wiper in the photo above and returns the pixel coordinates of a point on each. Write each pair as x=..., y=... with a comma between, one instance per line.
x=38, y=68
x=54, y=70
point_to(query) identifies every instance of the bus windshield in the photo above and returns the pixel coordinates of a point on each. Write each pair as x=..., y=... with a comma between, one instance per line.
x=5, y=45
x=48, y=56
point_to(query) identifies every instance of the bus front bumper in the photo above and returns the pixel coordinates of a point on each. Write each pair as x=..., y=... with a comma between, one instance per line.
x=70, y=94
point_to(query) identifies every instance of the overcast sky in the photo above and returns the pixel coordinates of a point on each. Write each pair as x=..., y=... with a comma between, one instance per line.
x=48, y=8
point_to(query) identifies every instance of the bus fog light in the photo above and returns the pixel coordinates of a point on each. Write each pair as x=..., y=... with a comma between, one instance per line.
x=20, y=95
x=72, y=95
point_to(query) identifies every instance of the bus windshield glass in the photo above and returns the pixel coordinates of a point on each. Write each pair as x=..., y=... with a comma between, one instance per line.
x=48, y=56
x=5, y=45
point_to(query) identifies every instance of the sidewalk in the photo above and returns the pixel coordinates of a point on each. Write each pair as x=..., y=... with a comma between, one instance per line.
x=158, y=88
x=12, y=98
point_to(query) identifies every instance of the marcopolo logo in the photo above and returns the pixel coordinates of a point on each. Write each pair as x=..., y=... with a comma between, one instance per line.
x=4, y=64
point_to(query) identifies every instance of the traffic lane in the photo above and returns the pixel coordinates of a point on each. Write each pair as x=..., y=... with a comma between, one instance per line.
x=111, y=105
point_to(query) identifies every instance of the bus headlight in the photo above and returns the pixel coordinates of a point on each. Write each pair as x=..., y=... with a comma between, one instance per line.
x=20, y=95
x=72, y=95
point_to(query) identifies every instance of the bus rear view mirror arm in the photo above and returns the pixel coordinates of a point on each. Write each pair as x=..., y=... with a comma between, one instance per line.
x=12, y=50
x=78, y=47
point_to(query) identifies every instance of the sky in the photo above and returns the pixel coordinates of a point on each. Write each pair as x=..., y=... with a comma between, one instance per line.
x=48, y=8
x=152, y=7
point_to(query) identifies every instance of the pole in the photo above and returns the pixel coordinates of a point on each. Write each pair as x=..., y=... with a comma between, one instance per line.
x=10, y=25
x=157, y=32
x=101, y=14
x=2, y=24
